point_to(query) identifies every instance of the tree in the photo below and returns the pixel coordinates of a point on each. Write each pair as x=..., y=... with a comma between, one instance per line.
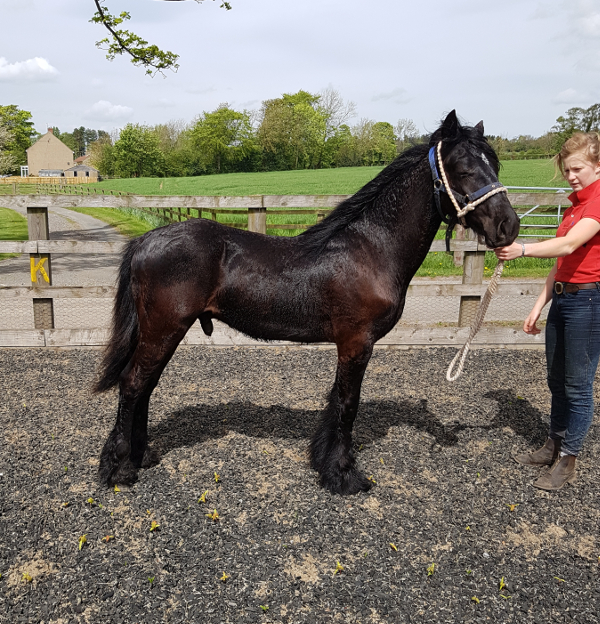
x=7, y=160
x=383, y=150
x=292, y=131
x=336, y=113
x=576, y=120
x=102, y=154
x=136, y=153
x=222, y=138
x=79, y=140
x=20, y=128
x=370, y=143
x=125, y=42
x=174, y=141
x=407, y=134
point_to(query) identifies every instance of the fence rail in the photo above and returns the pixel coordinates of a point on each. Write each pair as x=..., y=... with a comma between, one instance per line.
x=255, y=207
x=53, y=188
x=62, y=180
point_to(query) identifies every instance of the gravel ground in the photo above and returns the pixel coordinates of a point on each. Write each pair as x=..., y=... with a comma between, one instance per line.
x=463, y=518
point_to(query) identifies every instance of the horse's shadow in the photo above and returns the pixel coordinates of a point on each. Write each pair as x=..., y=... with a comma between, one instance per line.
x=196, y=424
x=199, y=423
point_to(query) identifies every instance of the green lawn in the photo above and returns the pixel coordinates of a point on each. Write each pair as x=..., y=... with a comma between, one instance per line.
x=343, y=181
x=13, y=227
x=530, y=173
x=308, y=182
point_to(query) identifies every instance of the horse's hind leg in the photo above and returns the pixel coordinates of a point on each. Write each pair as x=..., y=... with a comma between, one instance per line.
x=125, y=449
x=331, y=446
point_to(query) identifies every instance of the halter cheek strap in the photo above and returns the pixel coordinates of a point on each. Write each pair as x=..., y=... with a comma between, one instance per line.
x=469, y=202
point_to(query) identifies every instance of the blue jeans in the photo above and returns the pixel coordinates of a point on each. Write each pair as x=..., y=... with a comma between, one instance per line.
x=572, y=352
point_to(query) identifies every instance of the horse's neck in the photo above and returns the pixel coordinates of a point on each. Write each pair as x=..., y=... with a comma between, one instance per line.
x=416, y=226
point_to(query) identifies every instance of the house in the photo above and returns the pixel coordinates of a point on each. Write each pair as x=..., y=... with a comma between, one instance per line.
x=50, y=154
x=83, y=160
x=82, y=171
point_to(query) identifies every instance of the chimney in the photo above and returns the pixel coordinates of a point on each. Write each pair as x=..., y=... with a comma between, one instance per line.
x=51, y=130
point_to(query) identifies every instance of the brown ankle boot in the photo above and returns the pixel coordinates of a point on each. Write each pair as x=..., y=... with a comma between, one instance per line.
x=545, y=456
x=562, y=471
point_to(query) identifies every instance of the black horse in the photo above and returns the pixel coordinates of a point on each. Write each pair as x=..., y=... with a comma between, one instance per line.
x=344, y=280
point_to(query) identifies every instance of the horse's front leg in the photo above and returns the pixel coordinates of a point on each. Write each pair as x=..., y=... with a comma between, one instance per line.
x=142, y=456
x=330, y=449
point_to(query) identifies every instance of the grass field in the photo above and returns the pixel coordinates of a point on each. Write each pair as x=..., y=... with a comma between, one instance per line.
x=341, y=181
x=307, y=182
x=13, y=227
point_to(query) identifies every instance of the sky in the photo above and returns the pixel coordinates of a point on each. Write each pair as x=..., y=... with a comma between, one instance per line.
x=516, y=64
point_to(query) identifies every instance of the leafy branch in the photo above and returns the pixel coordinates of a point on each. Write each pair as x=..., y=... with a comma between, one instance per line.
x=143, y=54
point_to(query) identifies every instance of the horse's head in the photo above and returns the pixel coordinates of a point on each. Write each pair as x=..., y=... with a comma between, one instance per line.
x=471, y=167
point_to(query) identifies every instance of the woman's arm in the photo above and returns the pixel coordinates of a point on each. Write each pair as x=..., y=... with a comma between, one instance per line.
x=529, y=326
x=558, y=247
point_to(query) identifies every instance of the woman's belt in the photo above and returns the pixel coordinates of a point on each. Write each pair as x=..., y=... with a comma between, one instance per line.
x=561, y=287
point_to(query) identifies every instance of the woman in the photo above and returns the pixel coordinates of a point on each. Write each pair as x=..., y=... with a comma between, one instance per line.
x=573, y=324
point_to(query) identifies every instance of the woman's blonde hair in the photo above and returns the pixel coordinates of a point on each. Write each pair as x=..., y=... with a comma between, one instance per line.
x=585, y=143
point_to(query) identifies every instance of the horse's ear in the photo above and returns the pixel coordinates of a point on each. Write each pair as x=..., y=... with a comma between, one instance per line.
x=479, y=127
x=450, y=125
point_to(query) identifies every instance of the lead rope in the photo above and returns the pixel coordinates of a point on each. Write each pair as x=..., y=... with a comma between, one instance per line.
x=461, y=356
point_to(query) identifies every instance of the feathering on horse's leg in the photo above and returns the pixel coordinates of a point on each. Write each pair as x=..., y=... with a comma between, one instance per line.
x=330, y=449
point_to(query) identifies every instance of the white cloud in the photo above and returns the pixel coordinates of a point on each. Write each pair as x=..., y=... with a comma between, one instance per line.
x=399, y=96
x=36, y=70
x=568, y=96
x=105, y=111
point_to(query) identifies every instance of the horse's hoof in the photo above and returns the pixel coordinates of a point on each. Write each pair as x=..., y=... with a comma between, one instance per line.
x=346, y=483
x=112, y=471
x=151, y=458
x=125, y=474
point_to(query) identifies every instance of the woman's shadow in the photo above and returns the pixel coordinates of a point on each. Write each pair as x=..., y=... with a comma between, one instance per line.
x=520, y=415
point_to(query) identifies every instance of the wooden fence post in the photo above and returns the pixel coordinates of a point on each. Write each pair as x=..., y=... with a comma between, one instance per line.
x=459, y=255
x=474, y=263
x=41, y=268
x=257, y=217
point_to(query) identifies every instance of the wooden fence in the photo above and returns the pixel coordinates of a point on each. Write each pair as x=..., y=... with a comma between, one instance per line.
x=63, y=180
x=42, y=293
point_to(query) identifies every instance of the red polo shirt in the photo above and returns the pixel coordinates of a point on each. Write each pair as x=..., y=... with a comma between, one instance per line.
x=583, y=265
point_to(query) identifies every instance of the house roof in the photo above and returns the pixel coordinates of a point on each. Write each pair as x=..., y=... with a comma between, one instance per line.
x=82, y=168
x=49, y=136
x=81, y=159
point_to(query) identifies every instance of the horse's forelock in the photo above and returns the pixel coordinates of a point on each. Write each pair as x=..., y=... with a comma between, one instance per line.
x=469, y=134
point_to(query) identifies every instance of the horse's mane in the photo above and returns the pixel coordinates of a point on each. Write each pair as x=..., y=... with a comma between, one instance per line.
x=400, y=172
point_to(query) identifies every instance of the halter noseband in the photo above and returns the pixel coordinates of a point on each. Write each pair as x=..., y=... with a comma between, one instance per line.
x=469, y=202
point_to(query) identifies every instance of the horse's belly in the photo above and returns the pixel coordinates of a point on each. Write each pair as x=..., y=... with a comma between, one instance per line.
x=274, y=321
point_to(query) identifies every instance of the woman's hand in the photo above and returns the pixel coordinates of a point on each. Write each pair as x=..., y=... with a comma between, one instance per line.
x=529, y=326
x=510, y=252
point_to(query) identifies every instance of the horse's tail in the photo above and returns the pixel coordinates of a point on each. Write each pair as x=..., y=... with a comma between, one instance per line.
x=124, y=329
